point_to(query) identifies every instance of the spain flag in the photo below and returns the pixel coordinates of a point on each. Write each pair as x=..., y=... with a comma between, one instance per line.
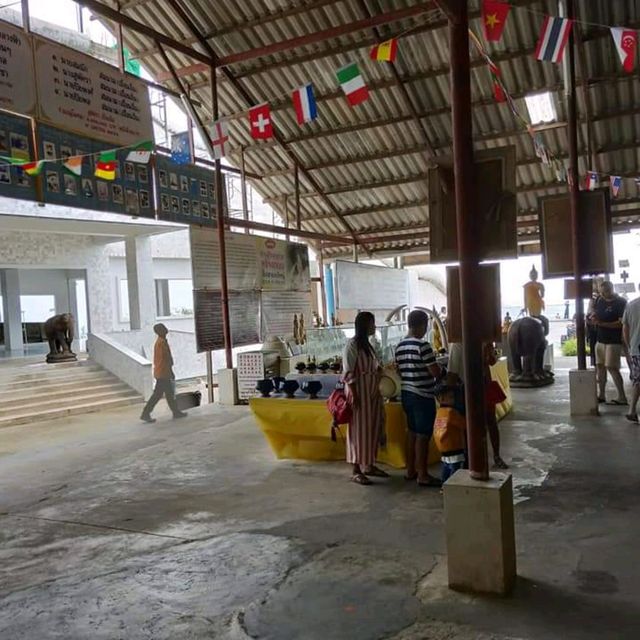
x=385, y=51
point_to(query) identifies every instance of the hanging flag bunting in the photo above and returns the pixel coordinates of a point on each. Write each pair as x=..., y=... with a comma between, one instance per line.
x=553, y=39
x=106, y=165
x=616, y=183
x=494, y=19
x=385, y=51
x=592, y=180
x=626, y=41
x=561, y=171
x=141, y=153
x=180, y=151
x=219, y=138
x=352, y=84
x=33, y=168
x=304, y=103
x=498, y=91
x=260, y=120
x=73, y=164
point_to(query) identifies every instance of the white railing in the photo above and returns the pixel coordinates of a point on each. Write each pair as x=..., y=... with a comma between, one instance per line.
x=123, y=362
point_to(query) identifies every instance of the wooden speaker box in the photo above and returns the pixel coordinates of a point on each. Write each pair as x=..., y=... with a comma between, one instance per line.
x=494, y=212
x=594, y=234
x=487, y=302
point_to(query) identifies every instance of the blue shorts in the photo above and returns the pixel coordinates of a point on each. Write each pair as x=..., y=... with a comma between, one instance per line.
x=420, y=412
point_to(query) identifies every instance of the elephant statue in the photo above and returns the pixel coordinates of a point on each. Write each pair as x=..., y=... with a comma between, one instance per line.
x=527, y=344
x=59, y=331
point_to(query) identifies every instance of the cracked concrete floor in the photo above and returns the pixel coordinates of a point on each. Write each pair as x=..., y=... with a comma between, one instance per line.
x=112, y=529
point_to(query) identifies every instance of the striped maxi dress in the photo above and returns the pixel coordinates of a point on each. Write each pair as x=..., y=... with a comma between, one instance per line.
x=367, y=424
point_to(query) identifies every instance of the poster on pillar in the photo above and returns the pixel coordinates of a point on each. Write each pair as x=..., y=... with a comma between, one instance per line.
x=595, y=237
x=279, y=309
x=89, y=97
x=186, y=193
x=130, y=193
x=244, y=314
x=16, y=141
x=253, y=262
x=17, y=89
x=494, y=211
x=487, y=303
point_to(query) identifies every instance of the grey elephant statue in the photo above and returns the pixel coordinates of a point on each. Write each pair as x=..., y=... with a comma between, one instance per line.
x=527, y=344
x=59, y=331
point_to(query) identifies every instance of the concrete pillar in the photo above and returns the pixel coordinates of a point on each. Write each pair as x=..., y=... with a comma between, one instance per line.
x=583, y=394
x=142, y=300
x=11, y=310
x=481, y=545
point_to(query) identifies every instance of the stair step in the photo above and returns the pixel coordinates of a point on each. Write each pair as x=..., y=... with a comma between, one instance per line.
x=23, y=389
x=44, y=382
x=39, y=416
x=69, y=393
x=39, y=372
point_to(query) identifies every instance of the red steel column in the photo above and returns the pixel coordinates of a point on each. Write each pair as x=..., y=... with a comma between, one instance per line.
x=468, y=248
x=226, y=321
x=574, y=180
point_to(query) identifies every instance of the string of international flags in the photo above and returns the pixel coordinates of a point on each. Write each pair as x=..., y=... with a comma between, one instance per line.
x=552, y=40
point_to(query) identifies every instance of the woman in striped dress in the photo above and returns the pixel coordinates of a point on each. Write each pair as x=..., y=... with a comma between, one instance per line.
x=362, y=378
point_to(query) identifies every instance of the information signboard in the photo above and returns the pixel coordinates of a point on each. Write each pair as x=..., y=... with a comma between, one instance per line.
x=186, y=192
x=130, y=193
x=92, y=98
x=250, y=371
x=17, y=89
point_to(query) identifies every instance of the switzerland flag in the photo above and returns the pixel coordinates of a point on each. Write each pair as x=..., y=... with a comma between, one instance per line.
x=494, y=18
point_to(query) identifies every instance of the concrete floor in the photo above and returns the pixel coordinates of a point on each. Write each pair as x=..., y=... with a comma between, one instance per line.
x=113, y=529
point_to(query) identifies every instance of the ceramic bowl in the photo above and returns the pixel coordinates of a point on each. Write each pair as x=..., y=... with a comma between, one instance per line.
x=312, y=388
x=265, y=387
x=300, y=367
x=323, y=366
x=290, y=387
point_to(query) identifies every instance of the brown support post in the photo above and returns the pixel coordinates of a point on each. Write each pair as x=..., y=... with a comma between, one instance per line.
x=243, y=187
x=297, y=196
x=190, y=136
x=572, y=131
x=119, y=42
x=226, y=321
x=468, y=248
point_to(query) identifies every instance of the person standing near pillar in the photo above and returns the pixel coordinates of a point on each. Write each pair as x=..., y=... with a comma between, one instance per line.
x=631, y=337
x=420, y=372
x=608, y=312
x=165, y=378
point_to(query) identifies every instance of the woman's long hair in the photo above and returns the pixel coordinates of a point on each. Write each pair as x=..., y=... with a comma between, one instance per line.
x=363, y=321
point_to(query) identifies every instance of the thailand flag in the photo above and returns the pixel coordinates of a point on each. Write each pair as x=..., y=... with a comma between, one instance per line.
x=553, y=39
x=305, y=104
x=616, y=183
x=592, y=180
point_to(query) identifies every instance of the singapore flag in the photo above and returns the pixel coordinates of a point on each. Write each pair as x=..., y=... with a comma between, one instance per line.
x=626, y=41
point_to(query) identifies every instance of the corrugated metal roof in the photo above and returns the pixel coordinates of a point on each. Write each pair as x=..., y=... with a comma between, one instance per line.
x=342, y=161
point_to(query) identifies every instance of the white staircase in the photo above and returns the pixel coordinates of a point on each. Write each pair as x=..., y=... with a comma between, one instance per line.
x=33, y=391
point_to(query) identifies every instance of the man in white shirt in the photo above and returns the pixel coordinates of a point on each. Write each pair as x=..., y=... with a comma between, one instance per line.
x=631, y=337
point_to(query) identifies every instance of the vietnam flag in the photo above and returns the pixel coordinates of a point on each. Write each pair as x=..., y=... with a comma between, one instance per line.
x=385, y=51
x=106, y=165
x=494, y=19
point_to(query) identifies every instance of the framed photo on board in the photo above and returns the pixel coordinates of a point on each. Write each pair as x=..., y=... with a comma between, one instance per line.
x=495, y=207
x=596, y=240
x=487, y=302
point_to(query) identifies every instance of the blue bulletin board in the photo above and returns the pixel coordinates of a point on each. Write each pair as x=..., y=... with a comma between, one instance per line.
x=131, y=193
x=186, y=192
x=16, y=138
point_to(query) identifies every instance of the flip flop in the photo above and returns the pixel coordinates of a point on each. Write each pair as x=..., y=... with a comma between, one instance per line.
x=375, y=472
x=618, y=403
x=411, y=478
x=431, y=482
x=360, y=478
x=632, y=417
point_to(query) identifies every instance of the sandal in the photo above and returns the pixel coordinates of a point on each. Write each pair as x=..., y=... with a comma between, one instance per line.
x=499, y=463
x=618, y=403
x=360, y=478
x=632, y=417
x=411, y=478
x=431, y=482
x=376, y=472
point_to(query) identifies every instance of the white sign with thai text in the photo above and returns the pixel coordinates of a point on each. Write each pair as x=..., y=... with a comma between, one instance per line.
x=17, y=90
x=81, y=94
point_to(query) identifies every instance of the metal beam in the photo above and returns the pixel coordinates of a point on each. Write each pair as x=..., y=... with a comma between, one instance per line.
x=392, y=206
x=119, y=18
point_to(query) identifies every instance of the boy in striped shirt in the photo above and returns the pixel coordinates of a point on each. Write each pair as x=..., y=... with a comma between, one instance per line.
x=419, y=371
